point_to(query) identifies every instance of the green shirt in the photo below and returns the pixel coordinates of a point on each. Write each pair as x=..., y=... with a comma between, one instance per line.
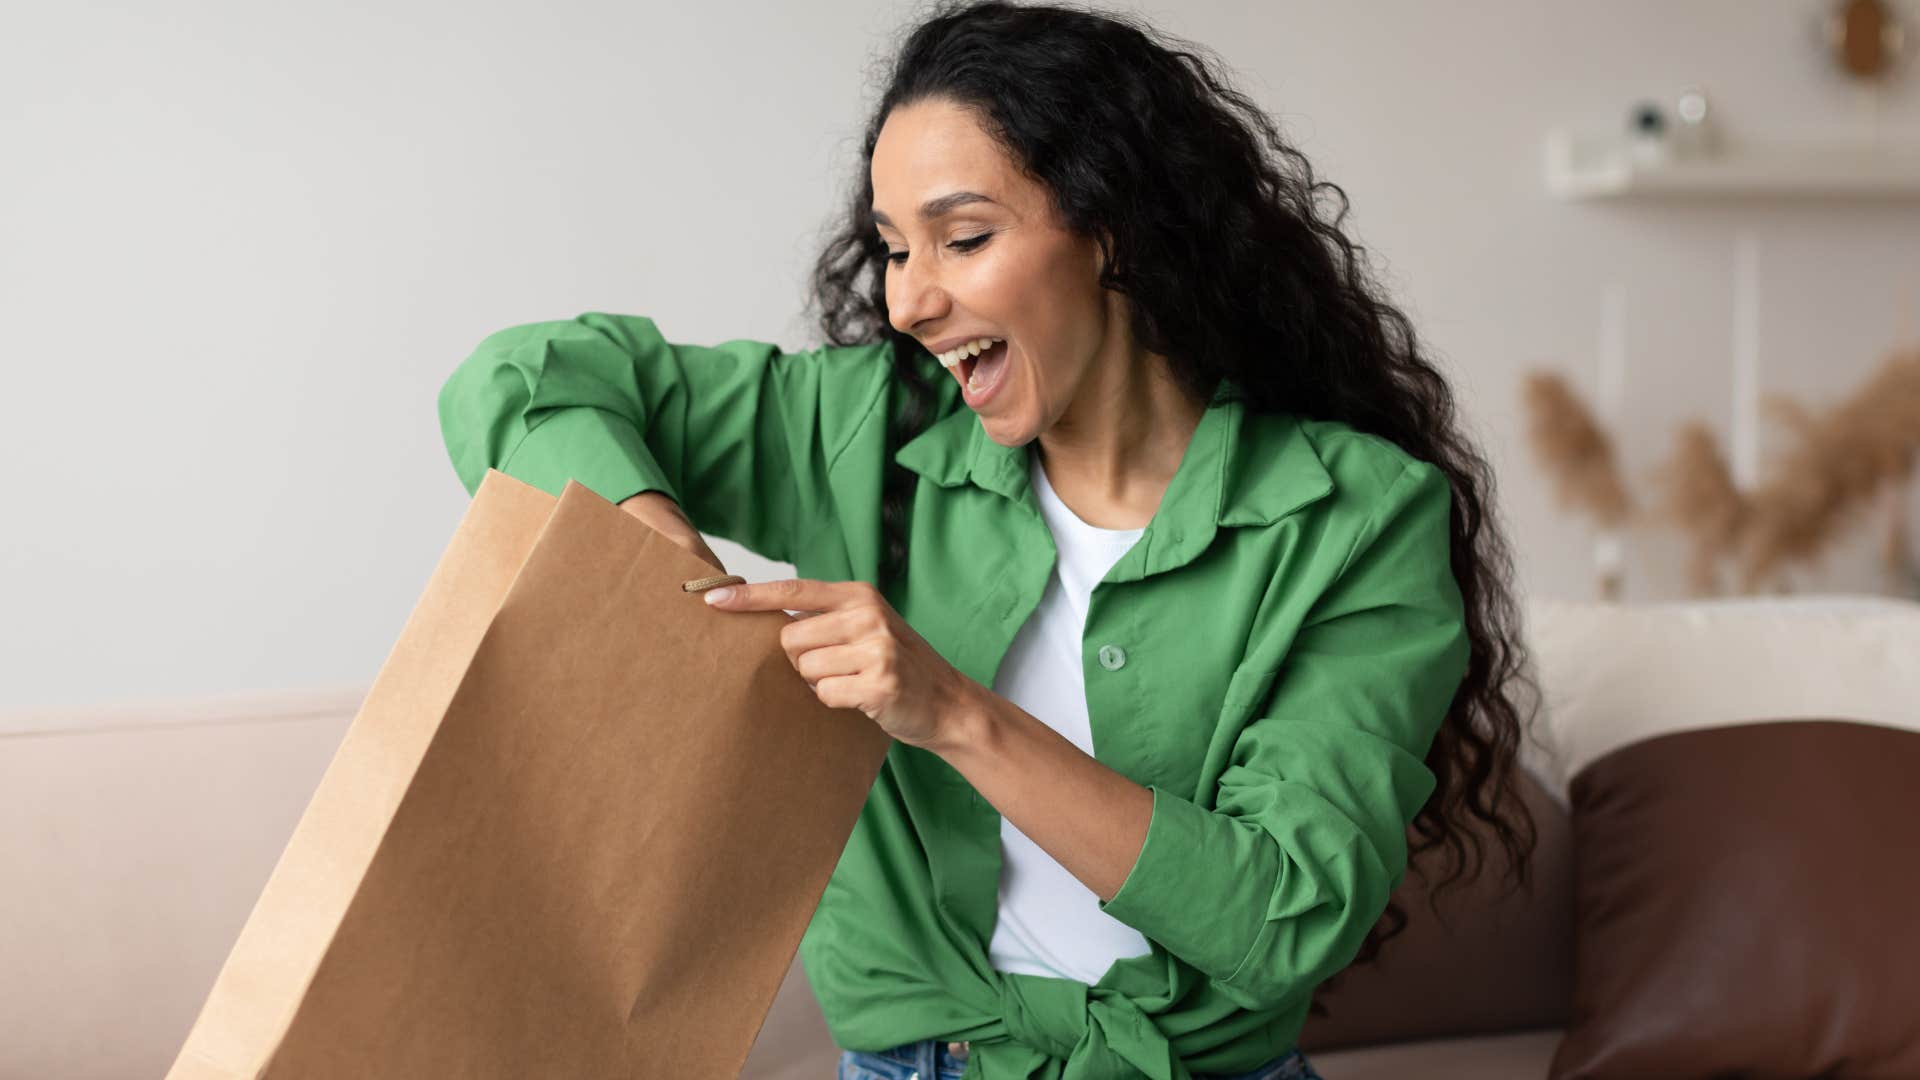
x=1271, y=658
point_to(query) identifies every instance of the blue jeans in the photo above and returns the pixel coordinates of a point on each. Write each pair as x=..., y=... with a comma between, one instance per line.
x=930, y=1059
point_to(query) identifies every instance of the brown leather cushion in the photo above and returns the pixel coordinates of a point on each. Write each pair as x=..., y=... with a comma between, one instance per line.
x=1744, y=904
x=1496, y=960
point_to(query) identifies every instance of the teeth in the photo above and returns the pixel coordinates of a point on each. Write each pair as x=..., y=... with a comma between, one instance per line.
x=971, y=348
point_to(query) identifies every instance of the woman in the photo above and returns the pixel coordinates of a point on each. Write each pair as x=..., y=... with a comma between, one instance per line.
x=1173, y=582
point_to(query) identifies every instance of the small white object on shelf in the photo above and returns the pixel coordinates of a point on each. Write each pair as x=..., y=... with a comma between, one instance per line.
x=1606, y=168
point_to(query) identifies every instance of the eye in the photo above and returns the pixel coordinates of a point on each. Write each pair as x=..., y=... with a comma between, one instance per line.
x=971, y=243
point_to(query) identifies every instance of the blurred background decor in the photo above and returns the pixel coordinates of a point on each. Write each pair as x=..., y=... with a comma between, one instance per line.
x=1867, y=38
x=1850, y=466
x=1577, y=453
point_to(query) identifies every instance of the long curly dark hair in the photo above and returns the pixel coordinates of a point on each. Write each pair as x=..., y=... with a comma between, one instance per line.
x=1228, y=259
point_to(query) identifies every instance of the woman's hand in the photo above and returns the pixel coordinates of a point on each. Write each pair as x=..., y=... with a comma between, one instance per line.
x=856, y=652
x=664, y=515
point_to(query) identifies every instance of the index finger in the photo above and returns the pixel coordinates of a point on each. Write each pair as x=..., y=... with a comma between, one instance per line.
x=788, y=594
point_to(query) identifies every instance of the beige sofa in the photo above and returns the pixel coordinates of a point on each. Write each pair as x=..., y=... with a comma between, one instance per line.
x=135, y=840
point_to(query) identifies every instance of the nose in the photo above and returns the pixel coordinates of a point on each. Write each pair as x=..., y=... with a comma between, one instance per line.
x=914, y=296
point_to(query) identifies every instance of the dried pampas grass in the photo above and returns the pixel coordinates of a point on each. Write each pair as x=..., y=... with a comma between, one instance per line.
x=1575, y=449
x=1699, y=496
x=1843, y=460
x=1840, y=463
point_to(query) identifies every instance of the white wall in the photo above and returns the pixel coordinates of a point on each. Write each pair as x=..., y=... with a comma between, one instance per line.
x=241, y=245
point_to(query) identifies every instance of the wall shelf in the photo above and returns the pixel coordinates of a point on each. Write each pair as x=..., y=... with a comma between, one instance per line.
x=1583, y=168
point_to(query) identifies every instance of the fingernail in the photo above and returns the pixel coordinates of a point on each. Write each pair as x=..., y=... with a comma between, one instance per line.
x=718, y=596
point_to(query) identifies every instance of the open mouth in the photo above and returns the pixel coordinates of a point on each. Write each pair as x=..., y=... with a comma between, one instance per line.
x=989, y=365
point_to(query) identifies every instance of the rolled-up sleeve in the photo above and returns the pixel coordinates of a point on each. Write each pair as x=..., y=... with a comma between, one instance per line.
x=740, y=434
x=1273, y=889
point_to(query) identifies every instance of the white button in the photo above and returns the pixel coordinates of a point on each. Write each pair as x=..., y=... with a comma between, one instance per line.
x=1112, y=657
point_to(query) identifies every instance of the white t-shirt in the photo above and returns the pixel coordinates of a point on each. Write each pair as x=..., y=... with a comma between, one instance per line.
x=1049, y=923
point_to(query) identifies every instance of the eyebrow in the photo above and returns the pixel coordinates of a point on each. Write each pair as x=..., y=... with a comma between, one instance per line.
x=937, y=207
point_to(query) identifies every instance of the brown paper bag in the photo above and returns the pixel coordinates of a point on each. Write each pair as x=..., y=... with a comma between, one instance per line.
x=576, y=829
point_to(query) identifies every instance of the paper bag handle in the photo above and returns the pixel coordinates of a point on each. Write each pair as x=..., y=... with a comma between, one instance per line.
x=705, y=583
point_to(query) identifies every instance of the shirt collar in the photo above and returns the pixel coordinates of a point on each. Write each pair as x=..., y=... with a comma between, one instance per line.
x=1239, y=468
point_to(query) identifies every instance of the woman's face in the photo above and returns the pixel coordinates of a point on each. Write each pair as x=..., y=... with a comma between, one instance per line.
x=975, y=251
